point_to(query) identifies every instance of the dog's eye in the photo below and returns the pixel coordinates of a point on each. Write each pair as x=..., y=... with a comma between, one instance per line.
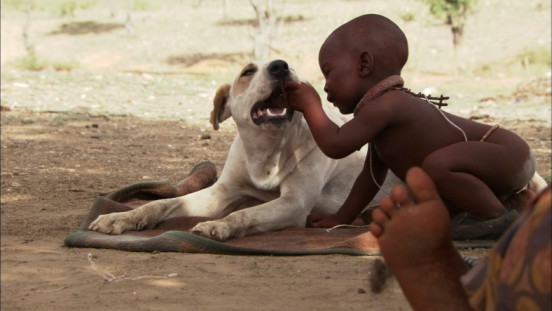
x=248, y=72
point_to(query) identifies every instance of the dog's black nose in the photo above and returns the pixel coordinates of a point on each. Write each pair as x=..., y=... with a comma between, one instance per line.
x=278, y=68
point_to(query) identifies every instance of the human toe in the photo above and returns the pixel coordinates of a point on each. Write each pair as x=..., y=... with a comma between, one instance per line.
x=388, y=206
x=421, y=186
x=376, y=229
x=379, y=217
x=400, y=196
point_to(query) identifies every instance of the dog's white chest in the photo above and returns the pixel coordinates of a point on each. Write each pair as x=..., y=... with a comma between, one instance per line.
x=266, y=172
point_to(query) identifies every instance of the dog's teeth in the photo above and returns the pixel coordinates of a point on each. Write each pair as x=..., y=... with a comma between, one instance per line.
x=276, y=112
x=264, y=112
x=255, y=115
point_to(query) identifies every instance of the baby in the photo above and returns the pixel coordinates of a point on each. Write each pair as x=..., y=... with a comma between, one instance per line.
x=477, y=168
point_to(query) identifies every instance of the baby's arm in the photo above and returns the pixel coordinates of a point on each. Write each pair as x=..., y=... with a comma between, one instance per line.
x=334, y=142
x=363, y=191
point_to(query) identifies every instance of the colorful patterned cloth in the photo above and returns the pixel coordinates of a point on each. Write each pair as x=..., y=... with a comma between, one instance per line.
x=516, y=275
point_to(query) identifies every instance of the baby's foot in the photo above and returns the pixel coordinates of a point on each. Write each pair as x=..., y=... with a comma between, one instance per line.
x=520, y=200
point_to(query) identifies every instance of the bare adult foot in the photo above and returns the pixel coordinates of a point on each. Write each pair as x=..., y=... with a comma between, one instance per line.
x=413, y=230
x=414, y=211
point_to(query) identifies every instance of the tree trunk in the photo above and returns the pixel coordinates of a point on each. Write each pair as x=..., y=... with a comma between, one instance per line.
x=25, y=33
x=266, y=22
x=456, y=24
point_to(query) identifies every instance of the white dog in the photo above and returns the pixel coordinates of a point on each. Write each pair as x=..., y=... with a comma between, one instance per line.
x=273, y=159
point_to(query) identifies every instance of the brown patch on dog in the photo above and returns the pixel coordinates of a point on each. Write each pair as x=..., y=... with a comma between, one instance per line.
x=219, y=105
x=242, y=82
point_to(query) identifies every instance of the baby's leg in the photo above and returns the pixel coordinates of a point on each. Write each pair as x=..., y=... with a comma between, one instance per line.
x=416, y=245
x=477, y=177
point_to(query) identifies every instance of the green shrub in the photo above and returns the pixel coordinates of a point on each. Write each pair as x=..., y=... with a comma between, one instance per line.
x=144, y=5
x=535, y=55
x=61, y=65
x=68, y=7
x=31, y=61
x=407, y=16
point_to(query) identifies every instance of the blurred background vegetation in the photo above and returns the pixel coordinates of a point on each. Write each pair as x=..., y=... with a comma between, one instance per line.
x=475, y=49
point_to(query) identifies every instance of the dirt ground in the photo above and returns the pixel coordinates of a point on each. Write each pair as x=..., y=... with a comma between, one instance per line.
x=126, y=116
x=55, y=164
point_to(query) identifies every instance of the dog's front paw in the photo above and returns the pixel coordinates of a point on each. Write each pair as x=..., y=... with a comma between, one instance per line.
x=115, y=223
x=216, y=230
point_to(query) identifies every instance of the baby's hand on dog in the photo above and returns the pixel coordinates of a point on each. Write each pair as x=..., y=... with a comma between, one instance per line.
x=300, y=95
x=317, y=220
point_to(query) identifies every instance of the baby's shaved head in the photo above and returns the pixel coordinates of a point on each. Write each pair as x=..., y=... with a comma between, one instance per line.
x=376, y=34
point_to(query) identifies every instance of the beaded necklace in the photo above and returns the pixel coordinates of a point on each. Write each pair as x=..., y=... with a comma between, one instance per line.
x=395, y=83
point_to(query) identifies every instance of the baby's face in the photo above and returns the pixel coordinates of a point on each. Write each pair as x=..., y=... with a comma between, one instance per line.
x=341, y=71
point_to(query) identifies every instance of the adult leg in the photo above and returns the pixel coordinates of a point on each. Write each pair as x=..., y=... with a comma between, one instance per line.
x=414, y=237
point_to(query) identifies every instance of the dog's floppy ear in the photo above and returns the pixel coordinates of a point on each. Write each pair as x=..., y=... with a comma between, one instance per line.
x=219, y=112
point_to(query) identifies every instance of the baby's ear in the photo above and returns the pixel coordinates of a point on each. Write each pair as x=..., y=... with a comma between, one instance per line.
x=366, y=64
x=220, y=111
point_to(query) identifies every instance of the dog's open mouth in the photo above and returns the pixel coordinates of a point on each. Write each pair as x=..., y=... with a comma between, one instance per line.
x=272, y=110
